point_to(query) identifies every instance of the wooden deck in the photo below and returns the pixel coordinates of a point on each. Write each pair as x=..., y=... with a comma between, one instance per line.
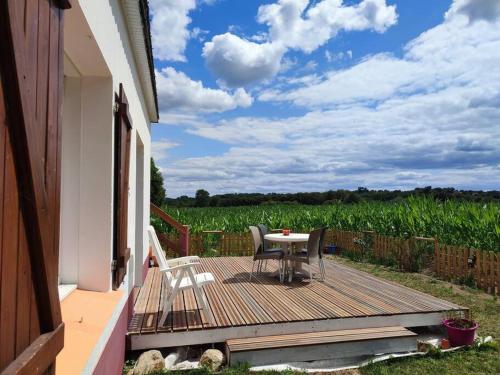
x=347, y=299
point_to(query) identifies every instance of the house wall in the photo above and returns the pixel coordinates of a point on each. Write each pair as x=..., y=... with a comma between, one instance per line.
x=96, y=190
x=107, y=22
x=70, y=176
x=98, y=45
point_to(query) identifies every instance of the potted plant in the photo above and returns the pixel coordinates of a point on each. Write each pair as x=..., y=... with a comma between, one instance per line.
x=460, y=331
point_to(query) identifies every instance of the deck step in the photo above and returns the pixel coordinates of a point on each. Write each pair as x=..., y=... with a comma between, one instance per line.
x=313, y=346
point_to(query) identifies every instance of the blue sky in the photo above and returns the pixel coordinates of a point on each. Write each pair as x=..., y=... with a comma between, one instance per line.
x=298, y=95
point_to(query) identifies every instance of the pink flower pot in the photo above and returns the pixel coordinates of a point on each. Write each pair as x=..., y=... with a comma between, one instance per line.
x=460, y=336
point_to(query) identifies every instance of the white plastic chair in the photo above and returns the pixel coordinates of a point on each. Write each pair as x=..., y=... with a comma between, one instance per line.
x=180, y=274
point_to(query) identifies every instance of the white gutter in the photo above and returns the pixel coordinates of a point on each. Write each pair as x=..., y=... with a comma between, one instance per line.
x=136, y=35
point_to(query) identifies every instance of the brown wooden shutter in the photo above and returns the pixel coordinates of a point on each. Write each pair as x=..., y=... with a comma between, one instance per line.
x=123, y=126
x=31, y=74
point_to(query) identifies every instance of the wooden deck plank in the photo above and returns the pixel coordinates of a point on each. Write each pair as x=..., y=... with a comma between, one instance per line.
x=179, y=322
x=260, y=293
x=315, y=338
x=256, y=304
x=193, y=318
x=168, y=326
x=361, y=294
x=286, y=301
x=318, y=335
x=221, y=297
x=141, y=303
x=235, y=301
x=316, y=302
x=237, y=296
x=411, y=299
x=340, y=300
x=149, y=322
x=214, y=304
x=135, y=293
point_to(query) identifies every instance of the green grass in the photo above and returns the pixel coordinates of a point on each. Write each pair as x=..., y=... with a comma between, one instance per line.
x=470, y=224
x=472, y=361
x=484, y=308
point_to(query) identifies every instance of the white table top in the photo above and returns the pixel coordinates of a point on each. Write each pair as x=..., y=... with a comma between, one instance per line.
x=293, y=237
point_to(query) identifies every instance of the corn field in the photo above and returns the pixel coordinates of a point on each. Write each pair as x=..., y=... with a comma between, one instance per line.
x=451, y=222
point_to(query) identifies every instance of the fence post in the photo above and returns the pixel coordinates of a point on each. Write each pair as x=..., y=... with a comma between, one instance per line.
x=184, y=241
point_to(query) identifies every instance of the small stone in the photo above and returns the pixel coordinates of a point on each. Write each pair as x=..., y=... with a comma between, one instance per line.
x=148, y=362
x=213, y=359
x=423, y=346
x=171, y=359
x=185, y=365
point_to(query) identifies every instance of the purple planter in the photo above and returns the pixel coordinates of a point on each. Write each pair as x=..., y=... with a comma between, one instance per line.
x=460, y=336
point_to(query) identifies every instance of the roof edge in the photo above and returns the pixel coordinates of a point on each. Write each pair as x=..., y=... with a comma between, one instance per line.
x=138, y=25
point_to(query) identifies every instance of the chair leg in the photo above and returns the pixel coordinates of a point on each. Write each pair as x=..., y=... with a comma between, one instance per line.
x=322, y=269
x=200, y=296
x=168, y=303
x=265, y=265
x=251, y=272
x=280, y=271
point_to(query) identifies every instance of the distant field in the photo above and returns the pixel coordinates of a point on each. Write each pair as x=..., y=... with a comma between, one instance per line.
x=457, y=223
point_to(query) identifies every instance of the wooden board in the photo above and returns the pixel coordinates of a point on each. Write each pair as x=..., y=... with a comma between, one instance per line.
x=315, y=338
x=326, y=345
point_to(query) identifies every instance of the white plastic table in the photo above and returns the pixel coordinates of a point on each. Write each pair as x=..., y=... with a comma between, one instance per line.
x=284, y=241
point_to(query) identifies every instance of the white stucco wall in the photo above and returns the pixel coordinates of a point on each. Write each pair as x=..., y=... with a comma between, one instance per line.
x=96, y=185
x=114, y=64
x=70, y=187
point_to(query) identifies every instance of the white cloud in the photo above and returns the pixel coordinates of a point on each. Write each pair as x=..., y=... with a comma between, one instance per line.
x=423, y=140
x=475, y=10
x=429, y=118
x=239, y=62
x=159, y=149
x=169, y=28
x=293, y=24
x=331, y=56
x=304, y=26
x=199, y=34
x=177, y=92
x=454, y=53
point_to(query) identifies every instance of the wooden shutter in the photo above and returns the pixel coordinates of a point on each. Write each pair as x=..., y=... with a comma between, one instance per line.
x=31, y=73
x=121, y=253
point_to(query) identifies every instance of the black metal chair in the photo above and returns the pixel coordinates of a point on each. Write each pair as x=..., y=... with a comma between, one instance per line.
x=261, y=255
x=312, y=253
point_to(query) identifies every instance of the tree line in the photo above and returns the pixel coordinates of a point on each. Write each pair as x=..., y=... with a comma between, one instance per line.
x=202, y=197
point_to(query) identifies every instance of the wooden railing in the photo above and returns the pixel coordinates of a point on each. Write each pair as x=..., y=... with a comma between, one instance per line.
x=177, y=244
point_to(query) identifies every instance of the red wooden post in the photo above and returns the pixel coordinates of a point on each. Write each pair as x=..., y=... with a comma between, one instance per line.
x=184, y=240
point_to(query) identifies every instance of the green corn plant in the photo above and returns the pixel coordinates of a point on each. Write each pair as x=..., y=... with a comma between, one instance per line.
x=469, y=224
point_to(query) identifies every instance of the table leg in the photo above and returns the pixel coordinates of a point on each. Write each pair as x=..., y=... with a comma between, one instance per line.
x=284, y=269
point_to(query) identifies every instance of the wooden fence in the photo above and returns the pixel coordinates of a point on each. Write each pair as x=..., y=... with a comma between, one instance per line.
x=408, y=254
